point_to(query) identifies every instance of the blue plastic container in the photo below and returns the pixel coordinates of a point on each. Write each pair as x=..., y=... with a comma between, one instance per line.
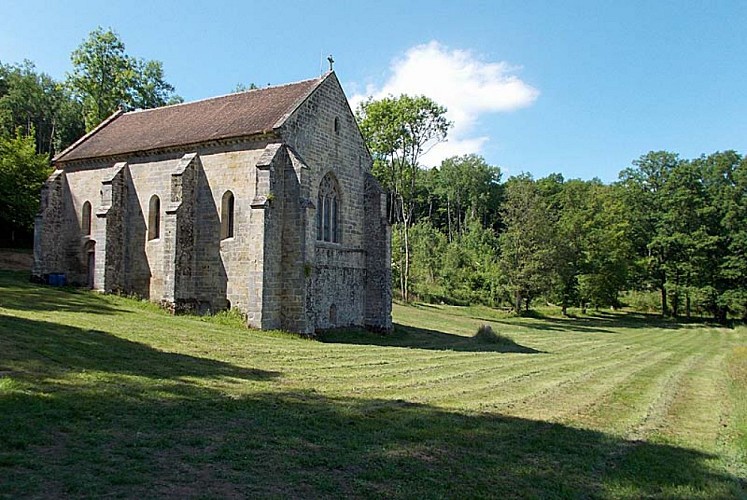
x=57, y=279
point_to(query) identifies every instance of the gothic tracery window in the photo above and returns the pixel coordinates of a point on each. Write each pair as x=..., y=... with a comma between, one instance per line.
x=328, y=210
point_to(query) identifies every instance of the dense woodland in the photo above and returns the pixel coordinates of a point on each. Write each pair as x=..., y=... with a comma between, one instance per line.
x=670, y=234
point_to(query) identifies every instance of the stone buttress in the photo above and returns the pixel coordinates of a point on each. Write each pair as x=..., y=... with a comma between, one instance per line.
x=179, y=236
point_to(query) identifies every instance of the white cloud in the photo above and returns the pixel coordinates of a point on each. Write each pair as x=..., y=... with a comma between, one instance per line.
x=467, y=86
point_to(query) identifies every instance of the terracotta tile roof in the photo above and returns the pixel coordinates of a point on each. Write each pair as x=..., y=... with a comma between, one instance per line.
x=234, y=115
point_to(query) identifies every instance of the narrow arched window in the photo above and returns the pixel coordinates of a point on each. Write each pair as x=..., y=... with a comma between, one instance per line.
x=226, y=216
x=85, y=219
x=328, y=210
x=337, y=125
x=154, y=218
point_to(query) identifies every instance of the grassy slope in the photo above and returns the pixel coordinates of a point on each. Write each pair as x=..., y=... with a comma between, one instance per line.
x=106, y=395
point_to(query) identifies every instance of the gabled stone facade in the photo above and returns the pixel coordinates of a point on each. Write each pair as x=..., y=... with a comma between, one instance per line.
x=272, y=211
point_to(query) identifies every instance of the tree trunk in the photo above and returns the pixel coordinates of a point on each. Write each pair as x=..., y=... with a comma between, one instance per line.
x=458, y=213
x=664, y=308
x=517, y=302
x=401, y=279
x=720, y=315
x=687, y=305
x=407, y=263
x=402, y=270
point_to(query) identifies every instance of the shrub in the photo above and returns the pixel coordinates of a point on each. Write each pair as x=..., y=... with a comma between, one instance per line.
x=227, y=317
x=642, y=301
x=486, y=335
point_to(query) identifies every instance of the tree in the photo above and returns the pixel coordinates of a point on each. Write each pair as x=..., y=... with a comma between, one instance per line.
x=105, y=78
x=38, y=105
x=688, y=235
x=398, y=131
x=527, y=244
x=570, y=199
x=607, y=253
x=643, y=184
x=428, y=246
x=22, y=173
x=724, y=262
x=240, y=87
x=150, y=89
x=468, y=185
x=734, y=222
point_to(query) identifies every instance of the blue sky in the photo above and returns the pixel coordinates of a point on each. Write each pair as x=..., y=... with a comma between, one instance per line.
x=576, y=87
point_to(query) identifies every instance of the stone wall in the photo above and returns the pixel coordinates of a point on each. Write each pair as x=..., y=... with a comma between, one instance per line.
x=324, y=135
x=179, y=235
x=225, y=273
x=378, y=313
x=52, y=227
x=294, y=267
x=337, y=295
x=188, y=262
x=107, y=243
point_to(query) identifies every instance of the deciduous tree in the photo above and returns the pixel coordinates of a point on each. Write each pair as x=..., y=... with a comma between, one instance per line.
x=398, y=131
x=105, y=78
x=643, y=184
x=22, y=173
x=38, y=105
x=527, y=243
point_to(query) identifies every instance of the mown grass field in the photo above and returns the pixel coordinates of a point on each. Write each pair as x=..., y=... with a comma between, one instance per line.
x=107, y=396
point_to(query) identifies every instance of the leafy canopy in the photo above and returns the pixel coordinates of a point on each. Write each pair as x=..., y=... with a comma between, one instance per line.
x=105, y=78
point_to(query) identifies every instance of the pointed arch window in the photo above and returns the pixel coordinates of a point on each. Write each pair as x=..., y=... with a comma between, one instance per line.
x=85, y=219
x=328, y=210
x=154, y=218
x=226, y=216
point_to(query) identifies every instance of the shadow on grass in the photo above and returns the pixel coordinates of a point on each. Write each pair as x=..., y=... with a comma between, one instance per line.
x=421, y=338
x=52, y=350
x=595, y=322
x=151, y=430
x=18, y=293
x=123, y=441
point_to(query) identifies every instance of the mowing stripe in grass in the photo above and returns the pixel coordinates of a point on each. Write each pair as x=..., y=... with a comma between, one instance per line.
x=574, y=396
x=634, y=401
x=696, y=416
x=519, y=385
x=435, y=371
x=533, y=396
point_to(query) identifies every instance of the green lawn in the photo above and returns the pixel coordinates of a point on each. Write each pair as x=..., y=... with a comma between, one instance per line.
x=107, y=396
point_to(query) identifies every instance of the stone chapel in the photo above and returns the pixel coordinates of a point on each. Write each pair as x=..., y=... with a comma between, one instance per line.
x=261, y=201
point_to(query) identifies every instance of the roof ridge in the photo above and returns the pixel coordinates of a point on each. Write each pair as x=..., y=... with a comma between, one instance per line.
x=204, y=99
